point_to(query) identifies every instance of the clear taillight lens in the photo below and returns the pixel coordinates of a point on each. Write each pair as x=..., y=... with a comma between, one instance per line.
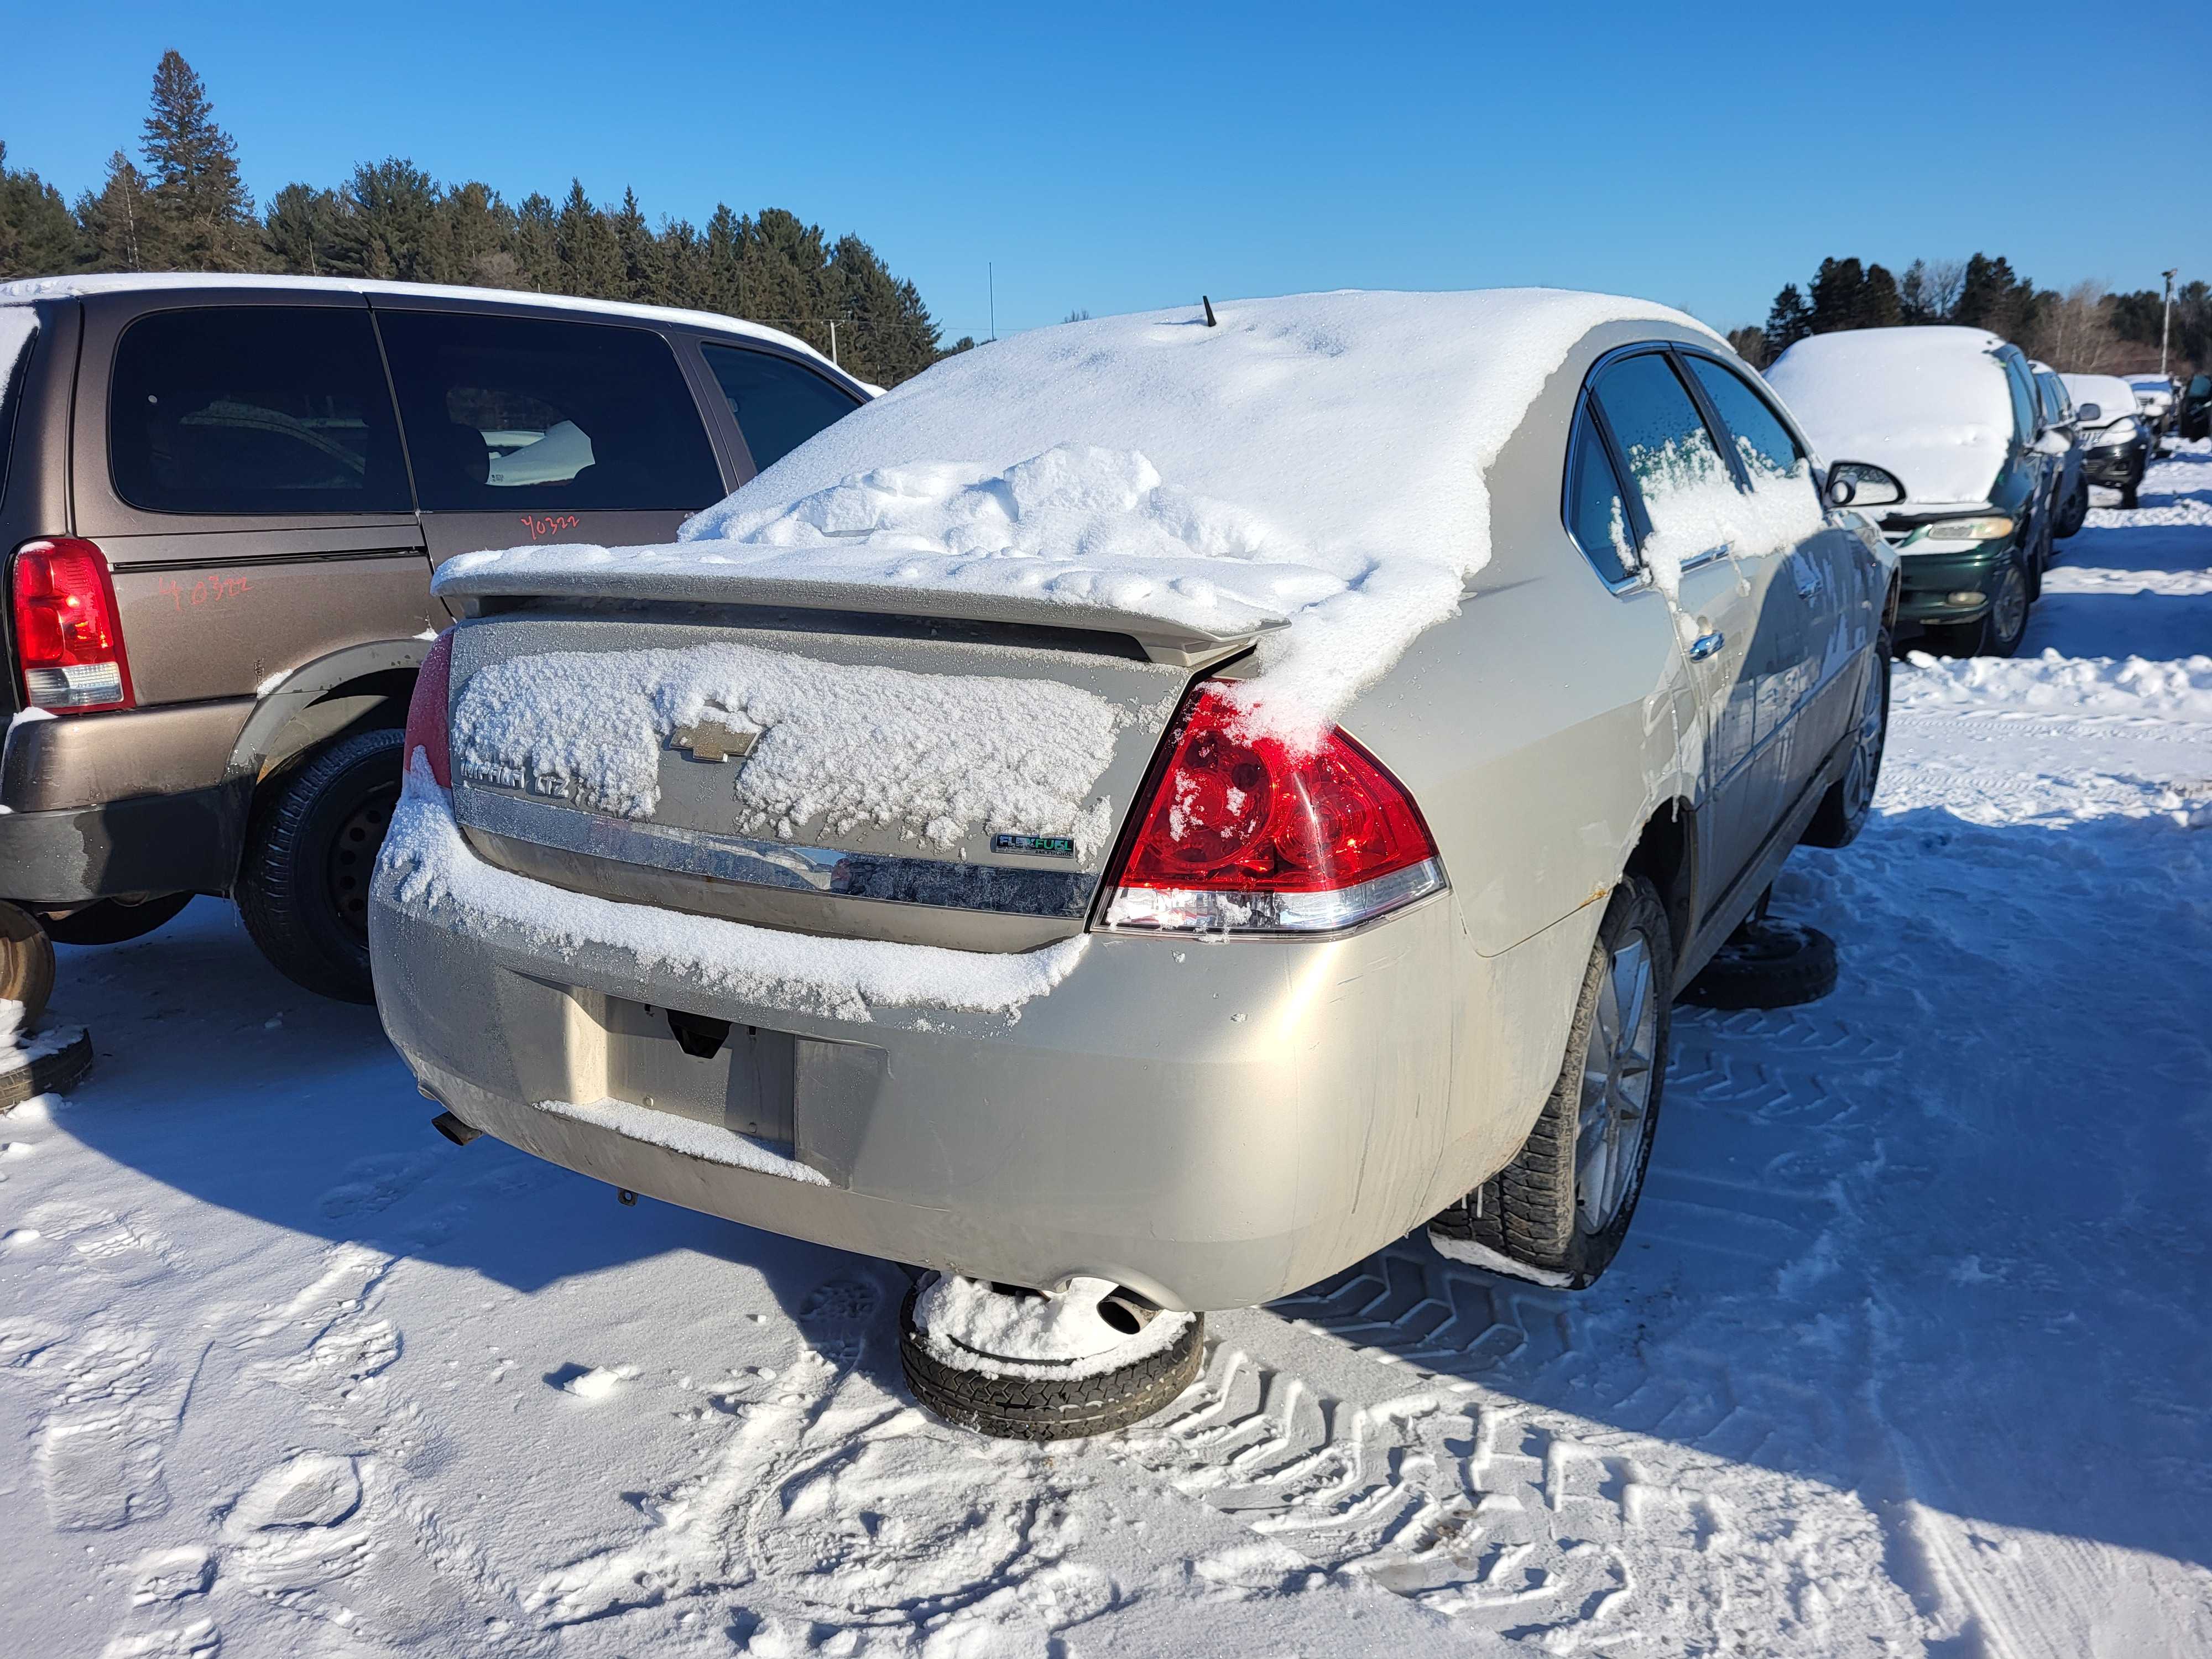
x=425, y=712
x=69, y=634
x=1240, y=834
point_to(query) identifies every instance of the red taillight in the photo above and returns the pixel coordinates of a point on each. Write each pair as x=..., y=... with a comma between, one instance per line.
x=425, y=712
x=1242, y=833
x=69, y=634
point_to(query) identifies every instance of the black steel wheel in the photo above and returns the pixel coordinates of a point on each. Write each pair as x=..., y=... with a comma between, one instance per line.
x=310, y=854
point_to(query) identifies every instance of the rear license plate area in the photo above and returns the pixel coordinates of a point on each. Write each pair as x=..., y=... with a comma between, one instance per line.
x=737, y=1077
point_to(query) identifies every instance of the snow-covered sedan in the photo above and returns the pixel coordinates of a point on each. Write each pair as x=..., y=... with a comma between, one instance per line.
x=1147, y=812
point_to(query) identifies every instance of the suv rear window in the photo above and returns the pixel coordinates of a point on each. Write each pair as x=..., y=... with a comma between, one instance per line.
x=505, y=412
x=778, y=404
x=253, y=409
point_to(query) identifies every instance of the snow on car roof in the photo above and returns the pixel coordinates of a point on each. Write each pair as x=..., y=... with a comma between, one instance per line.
x=2113, y=396
x=65, y=288
x=1319, y=458
x=1931, y=405
x=16, y=328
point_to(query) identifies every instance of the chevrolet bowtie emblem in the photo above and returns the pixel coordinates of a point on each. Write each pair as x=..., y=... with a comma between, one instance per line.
x=714, y=743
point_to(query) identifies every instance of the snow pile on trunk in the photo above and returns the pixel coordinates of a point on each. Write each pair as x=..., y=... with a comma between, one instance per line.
x=427, y=870
x=967, y=1324
x=1695, y=507
x=847, y=745
x=1321, y=458
x=1931, y=405
x=2180, y=688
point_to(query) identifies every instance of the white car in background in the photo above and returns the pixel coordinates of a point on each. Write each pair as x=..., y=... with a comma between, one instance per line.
x=2153, y=395
x=2116, y=438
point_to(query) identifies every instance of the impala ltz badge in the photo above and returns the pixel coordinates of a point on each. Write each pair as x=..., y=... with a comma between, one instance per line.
x=1049, y=847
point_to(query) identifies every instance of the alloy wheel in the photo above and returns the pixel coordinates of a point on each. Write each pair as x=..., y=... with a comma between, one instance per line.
x=1864, y=768
x=2008, y=613
x=1615, y=1115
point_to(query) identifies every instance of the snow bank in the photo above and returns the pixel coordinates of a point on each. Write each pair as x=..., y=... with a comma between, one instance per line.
x=924, y=753
x=427, y=870
x=1930, y=404
x=2177, y=689
x=1321, y=457
x=966, y=1324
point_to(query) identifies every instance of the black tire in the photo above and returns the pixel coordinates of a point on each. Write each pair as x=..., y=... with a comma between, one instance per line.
x=1845, y=809
x=1997, y=633
x=303, y=887
x=115, y=921
x=2076, y=514
x=1531, y=1211
x=1766, y=965
x=1047, y=1407
x=49, y=1074
x=2129, y=495
x=26, y=962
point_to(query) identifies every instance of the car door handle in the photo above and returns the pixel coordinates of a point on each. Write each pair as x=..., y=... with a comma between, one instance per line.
x=1705, y=644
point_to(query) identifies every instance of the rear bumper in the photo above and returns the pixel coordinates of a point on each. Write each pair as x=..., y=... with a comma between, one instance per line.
x=187, y=842
x=1212, y=1125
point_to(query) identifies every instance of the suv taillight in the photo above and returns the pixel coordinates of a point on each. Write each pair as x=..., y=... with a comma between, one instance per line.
x=426, y=712
x=68, y=635
x=1241, y=834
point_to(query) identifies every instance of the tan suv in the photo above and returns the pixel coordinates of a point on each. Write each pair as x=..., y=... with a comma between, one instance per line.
x=222, y=499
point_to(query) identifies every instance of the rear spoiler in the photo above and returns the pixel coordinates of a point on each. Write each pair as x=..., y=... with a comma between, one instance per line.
x=1184, y=645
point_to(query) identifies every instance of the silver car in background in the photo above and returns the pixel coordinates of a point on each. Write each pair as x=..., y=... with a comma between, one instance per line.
x=1149, y=811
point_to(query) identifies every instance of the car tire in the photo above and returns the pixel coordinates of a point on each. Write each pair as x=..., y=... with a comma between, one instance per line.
x=1845, y=809
x=1999, y=632
x=311, y=849
x=1022, y=1407
x=1539, y=1212
x=115, y=921
x=1766, y=965
x=26, y=962
x=2129, y=493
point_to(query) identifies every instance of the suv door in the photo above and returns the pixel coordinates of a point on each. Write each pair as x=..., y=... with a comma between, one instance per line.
x=1813, y=618
x=236, y=457
x=1658, y=438
x=525, y=428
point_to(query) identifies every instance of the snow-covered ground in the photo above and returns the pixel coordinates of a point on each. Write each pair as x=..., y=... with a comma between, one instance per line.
x=1907, y=1353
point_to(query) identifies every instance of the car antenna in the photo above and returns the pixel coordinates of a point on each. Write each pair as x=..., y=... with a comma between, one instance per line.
x=1208, y=304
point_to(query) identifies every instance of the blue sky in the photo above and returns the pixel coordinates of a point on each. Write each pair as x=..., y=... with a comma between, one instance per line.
x=1122, y=159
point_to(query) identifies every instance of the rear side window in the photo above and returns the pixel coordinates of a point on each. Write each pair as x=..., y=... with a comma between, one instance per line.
x=1669, y=454
x=254, y=409
x=1762, y=442
x=778, y=404
x=510, y=412
x=2023, y=402
x=2056, y=406
x=1597, y=513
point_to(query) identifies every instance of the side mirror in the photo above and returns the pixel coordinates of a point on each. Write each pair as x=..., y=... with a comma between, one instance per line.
x=2088, y=414
x=1861, y=483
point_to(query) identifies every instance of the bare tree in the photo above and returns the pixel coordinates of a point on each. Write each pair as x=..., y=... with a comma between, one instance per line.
x=2074, y=333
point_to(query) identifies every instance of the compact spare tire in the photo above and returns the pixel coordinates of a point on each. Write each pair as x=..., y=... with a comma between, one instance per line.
x=1766, y=965
x=984, y=1356
x=310, y=850
x=1556, y=1213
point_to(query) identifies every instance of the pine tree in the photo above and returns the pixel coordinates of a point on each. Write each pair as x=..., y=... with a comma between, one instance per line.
x=479, y=233
x=37, y=238
x=301, y=230
x=202, y=218
x=645, y=265
x=591, y=263
x=389, y=224
x=537, y=243
x=1789, y=322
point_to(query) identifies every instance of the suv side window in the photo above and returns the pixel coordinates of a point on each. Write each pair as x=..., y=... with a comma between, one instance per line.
x=777, y=403
x=1762, y=442
x=1662, y=438
x=515, y=412
x=254, y=409
x=1597, y=511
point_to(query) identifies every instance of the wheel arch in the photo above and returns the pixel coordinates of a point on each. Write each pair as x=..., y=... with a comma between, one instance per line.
x=1665, y=855
x=355, y=689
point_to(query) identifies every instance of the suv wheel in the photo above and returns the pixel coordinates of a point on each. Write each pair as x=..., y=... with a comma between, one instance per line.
x=1559, y=1211
x=26, y=962
x=303, y=888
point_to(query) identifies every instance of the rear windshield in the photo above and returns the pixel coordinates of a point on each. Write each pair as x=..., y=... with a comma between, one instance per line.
x=254, y=409
x=506, y=412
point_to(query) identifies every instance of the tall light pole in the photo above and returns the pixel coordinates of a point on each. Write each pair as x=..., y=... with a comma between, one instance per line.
x=2165, y=324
